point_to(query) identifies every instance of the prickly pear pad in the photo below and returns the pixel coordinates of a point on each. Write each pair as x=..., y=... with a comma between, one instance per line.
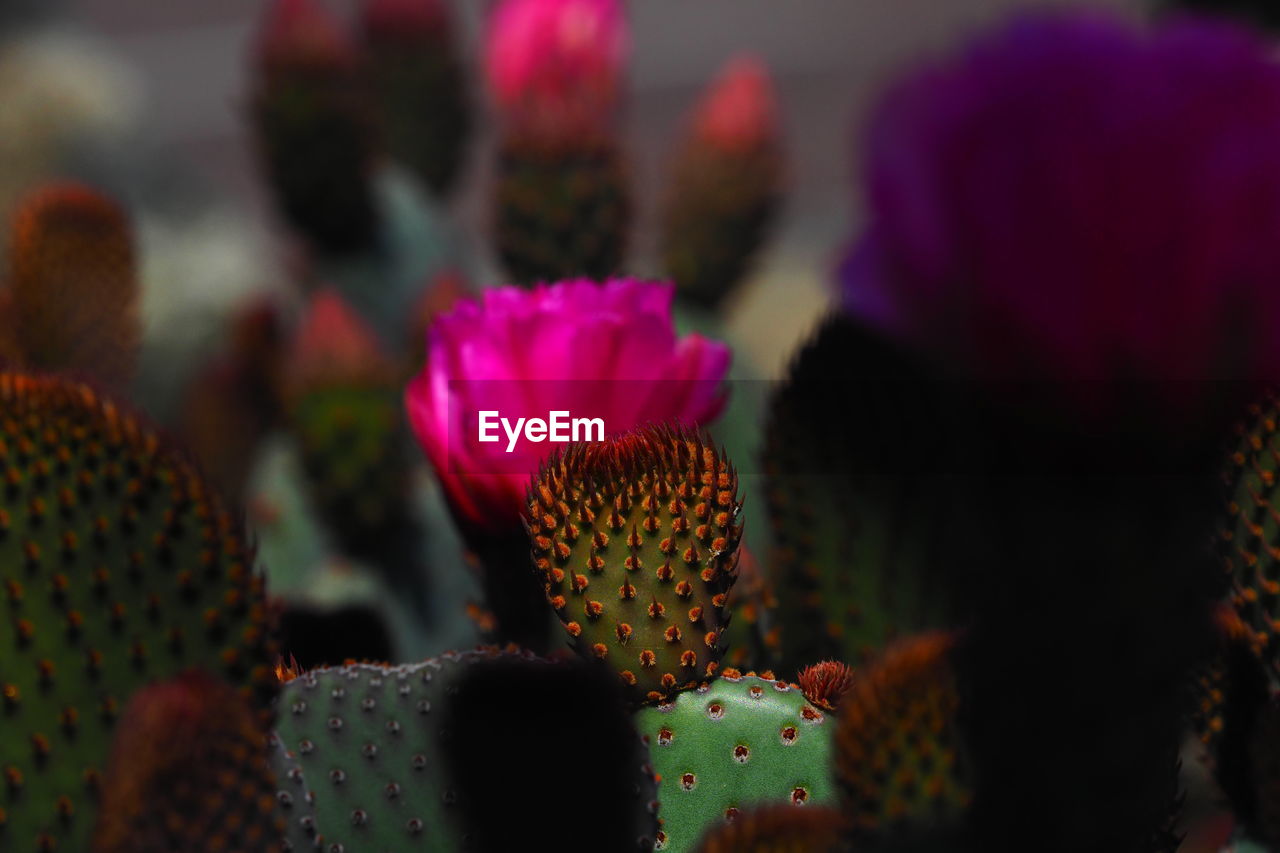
x=739, y=742
x=118, y=568
x=636, y=539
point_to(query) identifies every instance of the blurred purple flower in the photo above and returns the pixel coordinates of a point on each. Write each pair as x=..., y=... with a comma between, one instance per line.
x=1071, y=199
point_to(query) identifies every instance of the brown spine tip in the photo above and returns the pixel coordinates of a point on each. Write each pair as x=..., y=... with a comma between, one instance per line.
x=824, y=683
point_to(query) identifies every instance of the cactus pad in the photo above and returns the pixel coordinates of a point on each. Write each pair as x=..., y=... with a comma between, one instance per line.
x=855, y=520
x=738, y=742
x=361, y=761
x=119, y=568
x=188, y=772
x=369, y=760
x=419, y=80
x=715, y=217
x=74, y=285
x=561, y=212
x=315, y=129
x=899, y=752
x=636, y=539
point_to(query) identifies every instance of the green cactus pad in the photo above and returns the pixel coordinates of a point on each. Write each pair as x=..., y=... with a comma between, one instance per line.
x=637, y=540
x=315, y=128
x=361, y=762
x=419, y=80
x=188, y=772
x=561, y=212
x=369, y=760
x=351, y=441
x=118, y=568
x=899, y=752
x=717, y=212
x=852, y=517
x=739, y=742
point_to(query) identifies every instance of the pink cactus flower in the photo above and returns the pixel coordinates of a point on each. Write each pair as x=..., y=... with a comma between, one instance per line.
x=556, y=62
x=606, y=351
x=739, y=112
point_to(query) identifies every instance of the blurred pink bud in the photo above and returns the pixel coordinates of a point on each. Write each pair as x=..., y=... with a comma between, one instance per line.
x=301, y=33
x=739, y=111
x=333, y=346
x=556, y=61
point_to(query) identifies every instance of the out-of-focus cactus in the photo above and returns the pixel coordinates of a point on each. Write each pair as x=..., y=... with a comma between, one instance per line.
x=900, y=758
x=315, y=127
x=1251, y=534
x=232, y=403
x=1264, y=767
x=398, y=757
x=343, y=402
x=119, y=567
x=417, y=77
x=361, y=764
x=778, y=828
x=742, y=741
x=561, y=211
x=562, y=201
x=188, y=771
x=751, y=640
x=73, y=286
x=1234, y=718
x=1091, y=405
x=636, y=541
x=855, y=562
x=725, y=185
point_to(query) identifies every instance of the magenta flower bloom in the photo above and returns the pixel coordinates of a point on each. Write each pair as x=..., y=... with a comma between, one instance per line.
x=595, y=351
x=1071, y=199
x=555, y=62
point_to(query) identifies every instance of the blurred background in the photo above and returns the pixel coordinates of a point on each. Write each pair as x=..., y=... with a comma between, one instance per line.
x=149, y=102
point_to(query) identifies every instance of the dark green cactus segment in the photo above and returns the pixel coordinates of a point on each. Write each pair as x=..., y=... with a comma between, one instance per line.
x=380, y=757
x=316, y=130
x=900, y=753
x=850, y=499
x=352, y=442
x=716, y=215
x=188, y=772
x=1250, y=537
x=417, y=76
x=362, y=764
x=118, y=568
x=1232, y=694
x=636, y=540
x=740, y=742
x=561, y=211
